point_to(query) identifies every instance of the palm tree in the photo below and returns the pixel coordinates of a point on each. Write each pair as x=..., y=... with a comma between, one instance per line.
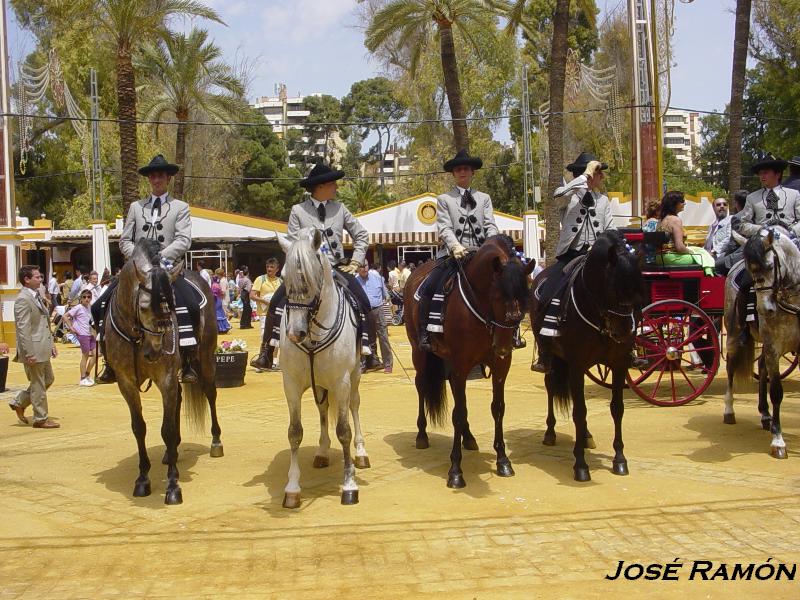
x=129, y=24
x=741, y=39
x=361, y=194
x=416, y=23
x=514, y=11
x=183, y=78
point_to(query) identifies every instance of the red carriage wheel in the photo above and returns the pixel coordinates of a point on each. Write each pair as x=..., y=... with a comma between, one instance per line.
x=601, y=375
x=680, y=346
x=788, y=363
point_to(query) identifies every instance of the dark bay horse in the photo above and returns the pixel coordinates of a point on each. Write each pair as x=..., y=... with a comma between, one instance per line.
x=483, y=310
x=602, y=306
x=141, y=333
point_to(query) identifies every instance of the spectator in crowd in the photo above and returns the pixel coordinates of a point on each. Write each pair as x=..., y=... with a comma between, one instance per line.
x=676, y=252
x=75, y=290
x=734, y=250
x=66, y=287
x=719, y=232
x=405, y=273
x=35, y=349
x=651, y=215
x=93, y=285
x=412, y=266
x=245, y=285
x=54, y=290
x=393, y=278
x=223, y=326
x=78, y=320
x=264, y=287
x=223, y=285
x=376, y=291
x=200, y=267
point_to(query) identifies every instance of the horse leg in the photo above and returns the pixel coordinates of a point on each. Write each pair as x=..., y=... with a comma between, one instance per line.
x=467, y=439
x=142, y=486
x=321, y=458
x=345, y=435
x=458, y=384
x=165, y=458
x=210, y=391
x=550, y=433
x=291, y=498
x=581, y=468
x=620, y=463
x=778, y=446
x=169, y=433
x=728, y=414
x=764, y=381
x=361, y=459
x=504, y=468
x=419, y=383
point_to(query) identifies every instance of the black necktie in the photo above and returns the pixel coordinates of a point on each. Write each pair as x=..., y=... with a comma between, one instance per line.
x=588, y=200
x=772, y=200
x=157, y=206
x=321, y=212
x=467, y=201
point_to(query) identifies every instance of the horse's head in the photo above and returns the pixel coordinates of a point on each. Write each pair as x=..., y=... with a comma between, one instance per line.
x=508, y=290
x=153, y=298
x=303, y=275
x=613, y=277
x=772, y=260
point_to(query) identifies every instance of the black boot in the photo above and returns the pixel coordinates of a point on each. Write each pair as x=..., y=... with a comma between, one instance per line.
x=188, y=374
x=264, y=359
x=543, y=363
x=741, y=306
x=425, y=341
x=107, y=375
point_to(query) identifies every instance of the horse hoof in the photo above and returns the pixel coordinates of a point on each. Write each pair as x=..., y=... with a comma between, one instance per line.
x=505, y=469
x=590, y=443
x=766, y=424
x=549, y=438
x=422, y=443
x=729, y=419
x=470, y=444
x=778, y=452
x=349, y=497
x=582, y=474
x=141, y=489
x=456, y=481
x=216, y=451
x=362, y=462
x=291, y=500
x=320, y=462
x=174, y=496
x=619, y=468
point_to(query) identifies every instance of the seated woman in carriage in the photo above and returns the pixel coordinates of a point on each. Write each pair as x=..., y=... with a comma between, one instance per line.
x=675, y=251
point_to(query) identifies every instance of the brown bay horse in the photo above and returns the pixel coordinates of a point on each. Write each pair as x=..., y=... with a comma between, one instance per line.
x=141, y=335
x=484, y=308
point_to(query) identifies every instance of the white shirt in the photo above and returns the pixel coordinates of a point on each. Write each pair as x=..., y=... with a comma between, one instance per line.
x=204, y=274
x=53, y=287
x=156, y=214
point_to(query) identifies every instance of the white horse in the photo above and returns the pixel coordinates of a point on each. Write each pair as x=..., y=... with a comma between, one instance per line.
x=319, y=350
x=773, y=261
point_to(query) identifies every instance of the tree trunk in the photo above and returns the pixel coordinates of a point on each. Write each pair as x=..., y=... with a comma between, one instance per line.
x=180, y=152
x=741, y=41
x=555, y=126
x=128, y=148
x=452, y=86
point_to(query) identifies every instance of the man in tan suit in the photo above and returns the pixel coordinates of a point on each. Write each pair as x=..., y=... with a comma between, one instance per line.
x=35, y=348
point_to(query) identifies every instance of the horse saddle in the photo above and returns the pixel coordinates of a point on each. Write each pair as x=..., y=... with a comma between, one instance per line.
x=341, y=281
x=736, y=275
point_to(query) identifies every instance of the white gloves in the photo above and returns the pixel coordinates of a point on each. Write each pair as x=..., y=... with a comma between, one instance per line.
x=351, y=268
x=593, y=166
x=459, y=251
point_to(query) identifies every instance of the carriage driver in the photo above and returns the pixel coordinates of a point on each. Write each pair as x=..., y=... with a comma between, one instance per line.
x=585, y=213
x=322, y=211
x=165, y=219
x=464, y=219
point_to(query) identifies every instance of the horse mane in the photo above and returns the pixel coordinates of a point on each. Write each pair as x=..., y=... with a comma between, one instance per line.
x=626, y=276
x=160, y=285
x=302, y=261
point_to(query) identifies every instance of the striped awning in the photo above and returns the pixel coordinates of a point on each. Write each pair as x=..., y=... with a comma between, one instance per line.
x=417, y=237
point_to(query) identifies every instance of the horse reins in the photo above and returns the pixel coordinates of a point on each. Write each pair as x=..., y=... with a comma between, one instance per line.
x=601, y=311
x=470, y=300
x=776, y=286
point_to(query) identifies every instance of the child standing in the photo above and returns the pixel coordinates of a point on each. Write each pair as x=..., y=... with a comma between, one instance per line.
x=78, y=320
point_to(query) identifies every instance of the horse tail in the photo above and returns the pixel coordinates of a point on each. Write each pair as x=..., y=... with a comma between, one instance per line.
x=434, y=390
x=196, y=405
x=559, y=384
x=740, y=361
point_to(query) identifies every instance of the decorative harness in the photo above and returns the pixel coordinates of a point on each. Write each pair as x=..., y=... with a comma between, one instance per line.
x=470, y=300
x=777, y=280
x=579, y=272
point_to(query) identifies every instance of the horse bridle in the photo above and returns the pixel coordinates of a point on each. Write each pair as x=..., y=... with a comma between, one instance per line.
x=490, y=322
x=776, y=286
x=603, y=312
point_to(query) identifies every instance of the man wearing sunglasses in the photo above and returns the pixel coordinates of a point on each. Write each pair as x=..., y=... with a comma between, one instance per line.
x=719, y=232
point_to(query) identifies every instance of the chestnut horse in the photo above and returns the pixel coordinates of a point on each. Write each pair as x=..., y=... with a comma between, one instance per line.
x=484, y=308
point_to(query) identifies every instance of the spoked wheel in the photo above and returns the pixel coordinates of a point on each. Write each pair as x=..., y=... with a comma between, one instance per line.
x=788, y=363
x=601, y=375
x=680, y=346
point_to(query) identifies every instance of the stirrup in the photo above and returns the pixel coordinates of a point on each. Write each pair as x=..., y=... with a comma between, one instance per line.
x=261, y=361
x=188, y=375
x=107, y=375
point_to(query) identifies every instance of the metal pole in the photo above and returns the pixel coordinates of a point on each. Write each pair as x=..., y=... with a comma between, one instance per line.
x=657, y=97
x=97, y=169
x=528, y=180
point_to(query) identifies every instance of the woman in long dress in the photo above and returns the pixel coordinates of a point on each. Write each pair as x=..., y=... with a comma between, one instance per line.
x=676, y=252
x=223, y=326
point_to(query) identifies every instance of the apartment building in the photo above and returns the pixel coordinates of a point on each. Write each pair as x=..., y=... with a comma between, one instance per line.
x=681, y=131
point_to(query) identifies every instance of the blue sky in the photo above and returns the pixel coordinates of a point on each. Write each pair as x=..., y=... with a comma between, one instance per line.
x=316, y=46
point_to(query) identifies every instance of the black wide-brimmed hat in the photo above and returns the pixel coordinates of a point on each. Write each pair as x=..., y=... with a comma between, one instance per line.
x=462, y=157
x=159, y=163
x=769, y=161
x=795, y=160
x=579, y=165
x=321, y=173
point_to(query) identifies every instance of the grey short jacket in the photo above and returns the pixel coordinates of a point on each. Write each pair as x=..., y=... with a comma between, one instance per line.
x=337, y=220
x=173, y=229
x=756, y=214
x=465, y=226
x=580, y=225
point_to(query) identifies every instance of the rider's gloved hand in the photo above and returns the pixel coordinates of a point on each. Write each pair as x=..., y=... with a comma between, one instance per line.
x=592, y=167
x=167, y=264
x=459, y=251
x=352, y=267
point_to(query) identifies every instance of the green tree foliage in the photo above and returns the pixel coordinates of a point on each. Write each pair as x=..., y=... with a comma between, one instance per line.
x=677, y=176
x=361, y=194
x=324, y=135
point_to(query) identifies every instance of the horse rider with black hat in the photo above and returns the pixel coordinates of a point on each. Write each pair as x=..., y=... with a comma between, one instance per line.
x=165, y=219
x=321, y=210
x=773, y=204
x=585, y=213
x=793, y=180
x=464, y=220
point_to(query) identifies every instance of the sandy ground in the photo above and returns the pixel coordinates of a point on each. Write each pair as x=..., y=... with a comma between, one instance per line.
x=697, y=490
